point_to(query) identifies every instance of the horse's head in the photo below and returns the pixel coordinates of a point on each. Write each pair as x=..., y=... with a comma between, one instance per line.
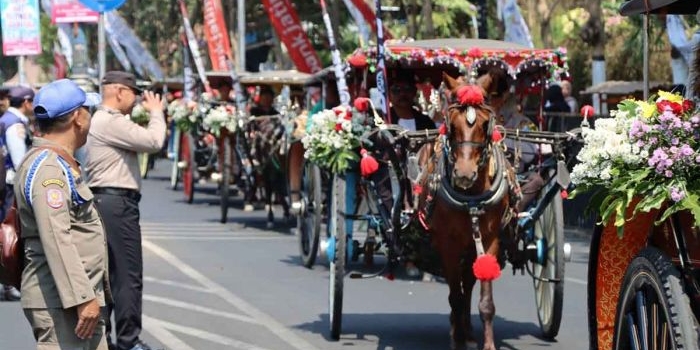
x=469, y=122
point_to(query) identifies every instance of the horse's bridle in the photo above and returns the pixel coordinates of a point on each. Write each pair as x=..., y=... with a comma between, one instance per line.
x=485, y=145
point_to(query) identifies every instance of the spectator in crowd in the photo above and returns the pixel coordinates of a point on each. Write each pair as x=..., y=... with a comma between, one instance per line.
x=570, y=100
x=555, y=101
x=64, y=280
x=16, y=138
x=114, y=177
x=4, y=99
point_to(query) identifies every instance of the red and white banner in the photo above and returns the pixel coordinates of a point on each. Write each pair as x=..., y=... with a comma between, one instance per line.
x=217, y=36
x=72, y=11
x=370, y=17
x=286, y=22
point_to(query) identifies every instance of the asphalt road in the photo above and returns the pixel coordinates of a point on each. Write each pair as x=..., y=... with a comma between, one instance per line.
x=240, y=286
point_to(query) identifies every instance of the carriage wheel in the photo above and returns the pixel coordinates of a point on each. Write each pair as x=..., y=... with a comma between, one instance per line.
x=653, y=311
x=549, y=295
x=337, y=262
x=143, y=164
x=225, y=183
x=187, y=156
x=309, y=220
x=175, y=171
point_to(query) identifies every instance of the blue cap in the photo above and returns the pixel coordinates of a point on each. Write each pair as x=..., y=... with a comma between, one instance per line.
x=62, y=97
x=20, y=93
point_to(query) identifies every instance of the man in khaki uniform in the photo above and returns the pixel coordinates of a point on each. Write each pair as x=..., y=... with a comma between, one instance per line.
x=64, y=280
x=114, y=177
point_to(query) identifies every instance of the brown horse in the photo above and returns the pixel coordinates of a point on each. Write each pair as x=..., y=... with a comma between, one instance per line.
x=471, y=190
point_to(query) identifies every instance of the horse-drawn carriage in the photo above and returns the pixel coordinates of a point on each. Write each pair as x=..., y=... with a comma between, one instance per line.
x=455, y=193
x=234, y=147
x=643, y=280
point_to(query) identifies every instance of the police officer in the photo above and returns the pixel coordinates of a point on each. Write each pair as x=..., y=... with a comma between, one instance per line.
x=114, y=177
x=64, y=281
x=16, y=138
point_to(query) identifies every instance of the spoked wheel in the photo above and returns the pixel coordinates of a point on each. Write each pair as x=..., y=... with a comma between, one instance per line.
x=225, y=184
x=337, y=260
x=309, y=219
x=187, y=157
x=175, y=170
x=548, y=271
x=653, y=311
x=143, y=164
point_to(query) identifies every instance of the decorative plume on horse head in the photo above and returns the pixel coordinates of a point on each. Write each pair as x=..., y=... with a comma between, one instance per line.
x=469, y=185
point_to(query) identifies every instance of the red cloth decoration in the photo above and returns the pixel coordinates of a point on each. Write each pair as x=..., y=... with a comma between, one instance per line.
x=496, y=136
x=358, y=61
x=470, y=95
x=587, y=111
x=475, y=52
x=486, y=268
x=564, y=194
x=368, y=165
x=443, y=129
x=362, y=104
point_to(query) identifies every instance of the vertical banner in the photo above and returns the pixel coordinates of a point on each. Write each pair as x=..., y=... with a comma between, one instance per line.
x=516, y=30
x=193, y=46
x=286, y=22
x=72, y=11
x=20, y=27
x=343, y=92
x=216, y=34
x=381, y=66
x=360, y=21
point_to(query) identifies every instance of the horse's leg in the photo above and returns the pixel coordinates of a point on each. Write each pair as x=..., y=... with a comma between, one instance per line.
x=459, y=303
x=487, y=308
x=468, y=282
x=269, y=191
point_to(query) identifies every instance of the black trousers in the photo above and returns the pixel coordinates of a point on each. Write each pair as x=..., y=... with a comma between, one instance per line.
x=120, y=215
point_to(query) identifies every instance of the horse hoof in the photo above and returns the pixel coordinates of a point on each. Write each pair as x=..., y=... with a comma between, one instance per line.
x=248, y=207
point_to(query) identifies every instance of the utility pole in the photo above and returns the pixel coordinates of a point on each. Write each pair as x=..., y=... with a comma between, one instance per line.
x=241, y=35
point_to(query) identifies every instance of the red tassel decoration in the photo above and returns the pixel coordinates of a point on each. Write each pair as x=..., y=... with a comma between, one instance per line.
x=496, y=137
x=486, y=268
x=564, y=194
x=470, y=95
x=368, y=165
x=443, y=129
x=362, y=104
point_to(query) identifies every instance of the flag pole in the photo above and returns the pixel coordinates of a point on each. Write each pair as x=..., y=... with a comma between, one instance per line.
x=343, y=92
x=241, y=35
x=101, y=58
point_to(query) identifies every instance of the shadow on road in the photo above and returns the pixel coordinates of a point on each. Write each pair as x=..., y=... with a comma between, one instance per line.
x=417, y=331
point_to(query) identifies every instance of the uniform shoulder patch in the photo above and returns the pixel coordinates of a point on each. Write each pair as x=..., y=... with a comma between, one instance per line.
x=58, y=182
x=54, y=198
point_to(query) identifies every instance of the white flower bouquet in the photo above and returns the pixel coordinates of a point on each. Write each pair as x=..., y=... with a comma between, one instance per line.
x=218, y=118
x=140, y=115
x=182, y=114
x=648, y=151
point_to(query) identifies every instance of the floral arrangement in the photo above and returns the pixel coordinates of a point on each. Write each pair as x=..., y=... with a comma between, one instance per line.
x=140, y=115
x=183, y=114
x=220, y=117
x=333, y=138
x=647, y=150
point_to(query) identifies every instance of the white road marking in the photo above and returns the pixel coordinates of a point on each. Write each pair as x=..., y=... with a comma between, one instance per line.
x=197, y=308
x=175, y=284
x=270, y=323
x=212, y=337
x=161, y=334
x=576, y=280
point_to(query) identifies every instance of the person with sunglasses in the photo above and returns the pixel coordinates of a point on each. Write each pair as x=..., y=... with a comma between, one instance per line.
x=114, y=177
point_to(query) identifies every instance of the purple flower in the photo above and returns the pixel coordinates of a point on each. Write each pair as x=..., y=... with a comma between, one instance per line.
x=675, y=141
x=686, y=150
x=668, y=174
x=677, y=194
x=695, y=119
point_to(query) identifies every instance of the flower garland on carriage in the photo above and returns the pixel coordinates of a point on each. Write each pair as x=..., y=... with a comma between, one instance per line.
x=647, y=151
x=184, y=114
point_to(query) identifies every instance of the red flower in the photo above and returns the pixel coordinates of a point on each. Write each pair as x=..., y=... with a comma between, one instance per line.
x=688, y=105
x=342, y=113
x=676, y=108
x=362, y=104
x=338, y=127
x=358, y=61
x=470, y=95
x=475, y=52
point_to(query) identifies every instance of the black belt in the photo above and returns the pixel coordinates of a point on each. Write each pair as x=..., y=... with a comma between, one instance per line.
x=115, y=191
